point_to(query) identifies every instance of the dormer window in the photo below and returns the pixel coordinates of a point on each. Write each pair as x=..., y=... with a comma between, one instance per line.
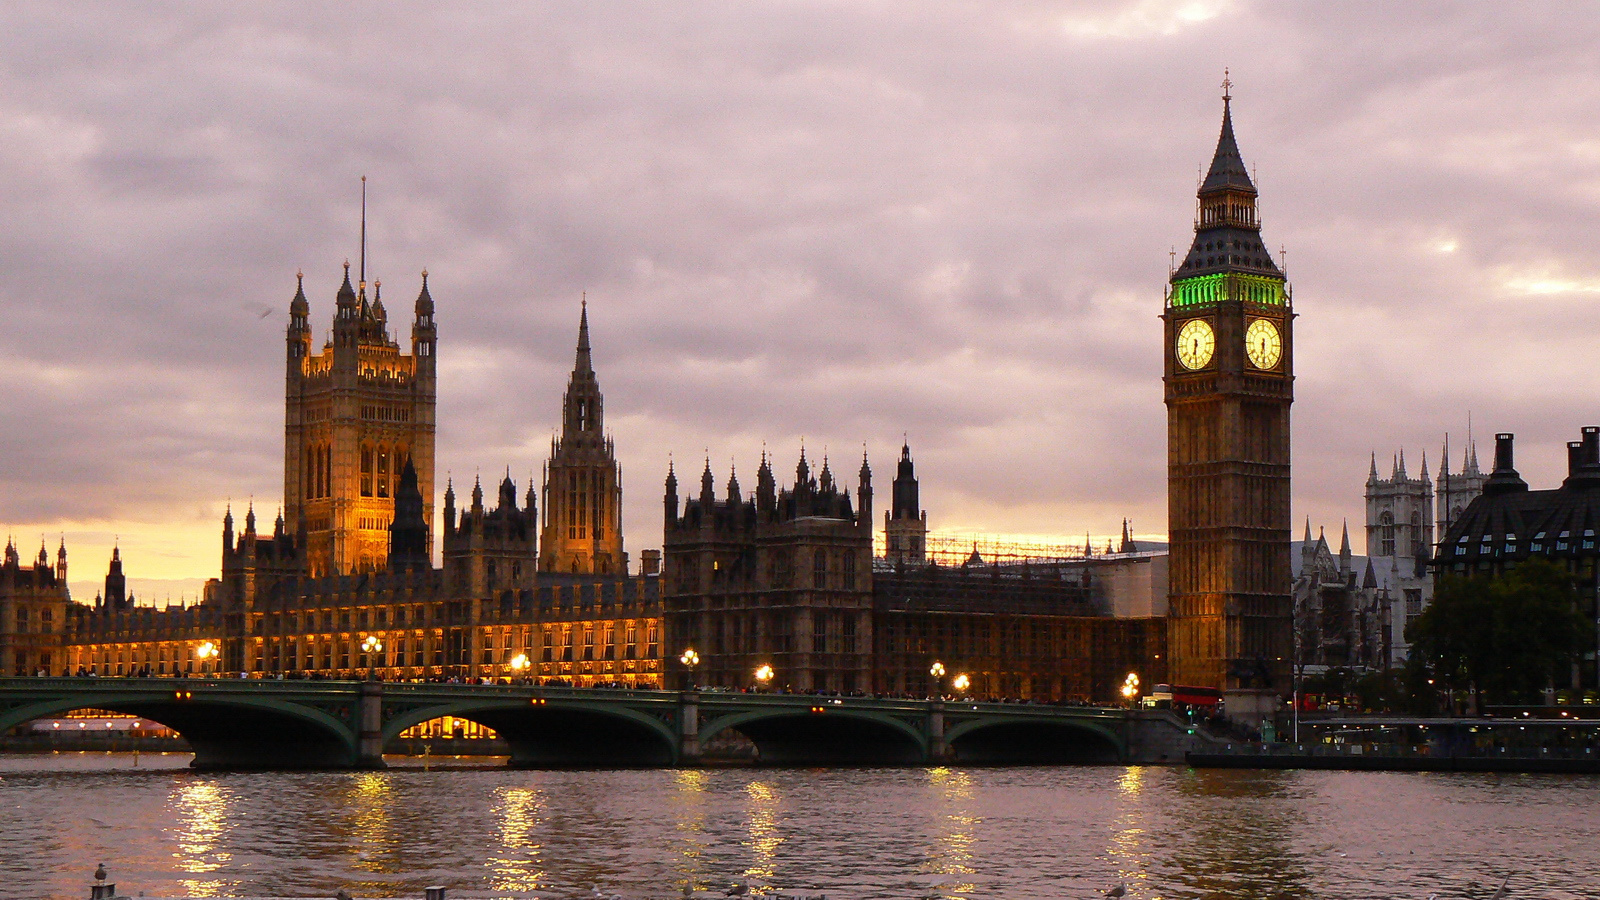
x=1562, y=542
x=1588, y=539
x=1538, y=543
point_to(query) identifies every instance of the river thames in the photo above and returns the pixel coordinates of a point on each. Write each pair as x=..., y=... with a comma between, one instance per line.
x=1018, y=833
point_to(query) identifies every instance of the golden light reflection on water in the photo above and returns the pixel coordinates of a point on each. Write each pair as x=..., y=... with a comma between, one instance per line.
x=688, y=805
x=764, y=839
x=1129, y=847
x=370, y=797
x=200, y=811
x=519, y=866
x=951, y=853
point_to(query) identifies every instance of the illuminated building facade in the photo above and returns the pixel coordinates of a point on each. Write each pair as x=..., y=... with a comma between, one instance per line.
x=33, y=611
x=1229, y=382
x=786, y=579
x=354, y=415
x=349, y=589
x=582, y=481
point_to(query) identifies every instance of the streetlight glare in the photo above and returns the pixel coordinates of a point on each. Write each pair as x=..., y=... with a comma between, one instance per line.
x=961, y=683
x=937, y=670
x=764, y=674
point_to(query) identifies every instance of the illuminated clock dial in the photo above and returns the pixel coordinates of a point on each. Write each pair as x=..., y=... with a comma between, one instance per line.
x=1196, y=343
x=1263, y=344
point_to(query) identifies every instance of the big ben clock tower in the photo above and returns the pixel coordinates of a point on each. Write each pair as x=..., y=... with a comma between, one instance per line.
x=1229, y=379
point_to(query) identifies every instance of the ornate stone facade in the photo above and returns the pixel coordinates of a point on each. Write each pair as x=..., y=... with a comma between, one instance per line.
x=582, y=481
x=33, y=612
x=354, y=415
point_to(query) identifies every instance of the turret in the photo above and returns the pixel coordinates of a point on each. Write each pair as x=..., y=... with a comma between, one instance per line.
x=424, y=333
x=766, y=487
x=61, y=561
x=734, y=495
x=708, y=495
x=299, y=333
x=449, y=505
x=408, y=533
x=670, y=500
x=864, y=493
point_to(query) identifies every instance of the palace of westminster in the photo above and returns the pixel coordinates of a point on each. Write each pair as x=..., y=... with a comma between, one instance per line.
x=342, y=584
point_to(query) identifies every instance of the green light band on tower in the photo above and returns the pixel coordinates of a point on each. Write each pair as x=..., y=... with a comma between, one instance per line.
x=1204, y=290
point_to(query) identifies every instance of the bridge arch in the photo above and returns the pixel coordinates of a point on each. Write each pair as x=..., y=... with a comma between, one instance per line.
x=558, y=733
x=1019, y=741
x=797, y=736
x=225, y=732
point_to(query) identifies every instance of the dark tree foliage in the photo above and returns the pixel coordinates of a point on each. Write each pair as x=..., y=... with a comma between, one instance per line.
x=1505, y=638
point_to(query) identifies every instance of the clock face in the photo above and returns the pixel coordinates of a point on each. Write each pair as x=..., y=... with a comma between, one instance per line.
x=1263, y=344
x=1195, y=344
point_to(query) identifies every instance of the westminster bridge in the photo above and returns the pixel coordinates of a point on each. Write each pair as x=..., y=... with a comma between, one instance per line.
x=270, y=724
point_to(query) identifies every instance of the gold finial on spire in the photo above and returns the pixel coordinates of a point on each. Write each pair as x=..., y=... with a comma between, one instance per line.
x=1227, y=86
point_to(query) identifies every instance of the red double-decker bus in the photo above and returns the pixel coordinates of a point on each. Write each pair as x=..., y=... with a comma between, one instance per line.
x=1167, y=696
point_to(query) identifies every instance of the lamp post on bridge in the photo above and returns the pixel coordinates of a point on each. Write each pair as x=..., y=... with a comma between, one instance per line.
x=764, y=675
x=690, y=659
x=518, y=665
x=961, y=683
x=937, y=672
x=370, y=646
x=206, y=652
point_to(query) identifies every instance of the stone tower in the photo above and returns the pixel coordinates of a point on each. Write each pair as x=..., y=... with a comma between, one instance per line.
x=1229, y=364
x=582, y=482
x=354, y=415
x=1400, y=511
x=905, y=526
x=1455, y=491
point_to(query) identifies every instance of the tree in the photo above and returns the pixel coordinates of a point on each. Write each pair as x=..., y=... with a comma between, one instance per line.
x=1506, y=638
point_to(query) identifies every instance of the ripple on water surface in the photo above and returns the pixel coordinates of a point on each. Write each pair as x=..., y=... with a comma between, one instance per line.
x=1016, y=834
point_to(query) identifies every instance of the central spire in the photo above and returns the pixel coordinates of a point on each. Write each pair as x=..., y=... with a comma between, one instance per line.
x=583, y=363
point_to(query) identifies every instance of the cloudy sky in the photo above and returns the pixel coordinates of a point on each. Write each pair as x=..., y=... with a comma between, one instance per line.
x=836, y=222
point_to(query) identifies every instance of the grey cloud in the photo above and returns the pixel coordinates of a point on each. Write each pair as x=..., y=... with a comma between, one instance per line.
x=836, y=221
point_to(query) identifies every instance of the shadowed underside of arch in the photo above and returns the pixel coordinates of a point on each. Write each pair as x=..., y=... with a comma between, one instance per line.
x=232, y=734
x=564, y=736
x=1032, y=743
x=798, y=738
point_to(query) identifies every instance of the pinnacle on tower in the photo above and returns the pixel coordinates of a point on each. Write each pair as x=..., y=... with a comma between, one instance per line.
x=300, y=306
x=1344, y=540
x=424, y=306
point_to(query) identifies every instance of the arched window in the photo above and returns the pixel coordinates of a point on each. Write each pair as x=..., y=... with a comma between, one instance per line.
x=1386, y=533
x=366, y=471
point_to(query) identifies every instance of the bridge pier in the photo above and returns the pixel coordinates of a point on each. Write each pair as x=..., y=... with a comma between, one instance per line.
x=938, y=747
x=689, y=728
x=369, y=715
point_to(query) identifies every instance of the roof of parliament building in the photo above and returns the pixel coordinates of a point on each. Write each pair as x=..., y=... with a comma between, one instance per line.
x=1509, y=522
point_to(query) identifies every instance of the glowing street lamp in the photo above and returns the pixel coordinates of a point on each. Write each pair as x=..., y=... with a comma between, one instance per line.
x=206, y=652
x=370, y=645
x=690, y=659
x=937, y=671
x=1130, y=688
x=764, y=675
x=961, y=682
x=518, y=664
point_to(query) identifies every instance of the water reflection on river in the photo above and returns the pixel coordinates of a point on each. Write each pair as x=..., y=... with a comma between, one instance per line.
x=854, y=833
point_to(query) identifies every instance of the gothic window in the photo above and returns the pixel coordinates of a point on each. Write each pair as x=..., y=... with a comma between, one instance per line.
x=366, y=471
x=383, y=472
x=848, y=564
x=22, y=620
x=1386, y=533
x=819, y=570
